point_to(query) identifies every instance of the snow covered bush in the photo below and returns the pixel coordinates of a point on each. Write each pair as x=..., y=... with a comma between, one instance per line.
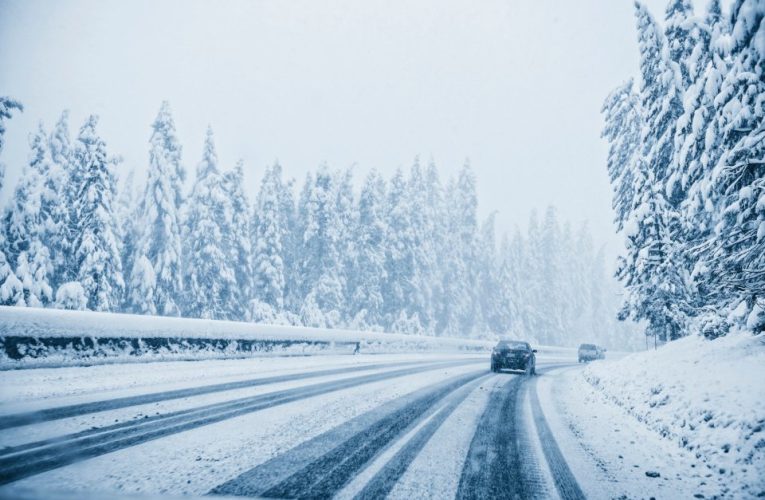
x=71, y=296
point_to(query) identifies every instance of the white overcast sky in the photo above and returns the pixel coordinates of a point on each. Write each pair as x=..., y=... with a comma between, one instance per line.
x=514, y=85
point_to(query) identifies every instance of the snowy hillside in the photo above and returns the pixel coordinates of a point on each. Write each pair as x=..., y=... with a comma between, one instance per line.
x=708, y=397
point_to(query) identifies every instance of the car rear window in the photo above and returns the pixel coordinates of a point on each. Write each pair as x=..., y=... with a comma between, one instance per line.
x=586, y=346
x=513, y=345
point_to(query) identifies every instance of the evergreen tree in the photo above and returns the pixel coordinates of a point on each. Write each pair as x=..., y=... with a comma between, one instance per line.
x=699, y=144
x=581, y=264
x=10, y=288
x=422, y=248
x=516, y=262
x=347, y=216
x=655, y=287
x=660, y=103
x=269, y=236
x=238, y=240
x=24, y=219
x=126, y=226
x=622, y=130
x=320, y=262
x=159, y=218
x=61, y=185
x=369, y=274
x=534, y=310
x=736, y=247
x=291, y=246
x=96, y=246
x=696, y=133
x=7, y=107
x=507, y=290
x=209, y=279
x=462, y=279
x=400, y=258
x=436, y=224
x=657, y=290
x=29, y=226
x=492, y=303
x=551, y=324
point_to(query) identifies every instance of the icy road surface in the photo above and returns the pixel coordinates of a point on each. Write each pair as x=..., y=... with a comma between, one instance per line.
x=401, y=426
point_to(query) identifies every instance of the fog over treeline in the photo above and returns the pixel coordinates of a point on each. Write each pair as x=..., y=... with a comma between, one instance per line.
x=402, y=254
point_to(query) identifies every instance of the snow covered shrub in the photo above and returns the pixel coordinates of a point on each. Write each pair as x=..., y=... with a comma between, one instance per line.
x=261, y=312
x=712, y=325
x=71, y=296
x=143, y=283
x=311, y=314
x=756, y=319
x=407, y=324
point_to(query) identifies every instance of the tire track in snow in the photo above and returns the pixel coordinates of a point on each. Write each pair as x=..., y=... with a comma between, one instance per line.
x=81, y=446
x=564, y=479
x=385, y=480
x=322, y=466
x=500, y=461
x=33, y=417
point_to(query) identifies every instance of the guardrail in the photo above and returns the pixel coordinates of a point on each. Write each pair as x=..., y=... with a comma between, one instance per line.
x=50, y=337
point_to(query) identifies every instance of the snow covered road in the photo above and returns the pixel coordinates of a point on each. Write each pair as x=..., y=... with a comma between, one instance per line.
x=401, y=426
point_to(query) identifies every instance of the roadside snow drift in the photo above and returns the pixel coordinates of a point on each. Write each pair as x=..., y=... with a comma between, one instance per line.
x=49, y=337
x=707, y=396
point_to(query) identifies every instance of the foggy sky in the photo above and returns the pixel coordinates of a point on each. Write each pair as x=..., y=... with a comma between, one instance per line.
x=516, y=86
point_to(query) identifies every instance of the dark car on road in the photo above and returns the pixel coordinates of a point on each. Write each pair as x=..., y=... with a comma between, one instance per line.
x=514, y=355
x=589, y=352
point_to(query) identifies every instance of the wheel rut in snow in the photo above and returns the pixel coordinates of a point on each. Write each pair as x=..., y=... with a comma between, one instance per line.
x=51, y=454
x=385, y=480
x=500, y=462
x=32, y=417
x=565, y=482
x=322, y=466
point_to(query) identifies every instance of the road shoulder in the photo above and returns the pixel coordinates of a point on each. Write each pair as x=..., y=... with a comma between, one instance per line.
x=611, y=454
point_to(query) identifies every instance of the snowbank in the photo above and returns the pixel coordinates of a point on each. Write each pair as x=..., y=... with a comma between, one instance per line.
x=50, y=337
x=707, y=396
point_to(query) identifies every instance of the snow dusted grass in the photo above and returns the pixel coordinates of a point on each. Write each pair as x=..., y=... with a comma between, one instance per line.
x=708, y=397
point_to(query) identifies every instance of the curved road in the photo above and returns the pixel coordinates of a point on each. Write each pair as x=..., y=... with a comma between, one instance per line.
x=352, y=429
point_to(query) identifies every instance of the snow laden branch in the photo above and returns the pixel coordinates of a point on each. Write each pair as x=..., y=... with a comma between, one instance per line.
x=687, y=165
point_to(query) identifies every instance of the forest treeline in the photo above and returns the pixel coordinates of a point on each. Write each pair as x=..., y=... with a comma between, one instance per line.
x=401, y=254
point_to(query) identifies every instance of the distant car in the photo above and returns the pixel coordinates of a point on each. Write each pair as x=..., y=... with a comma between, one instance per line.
x=514, y=355
x=589, y=352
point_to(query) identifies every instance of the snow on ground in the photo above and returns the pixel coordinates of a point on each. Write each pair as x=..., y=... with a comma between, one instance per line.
x=195, y=461
x=706, y=396
x=608, y=451
x=438, y=466
x=51, y=429
x=26, y=390
x=693, y=411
